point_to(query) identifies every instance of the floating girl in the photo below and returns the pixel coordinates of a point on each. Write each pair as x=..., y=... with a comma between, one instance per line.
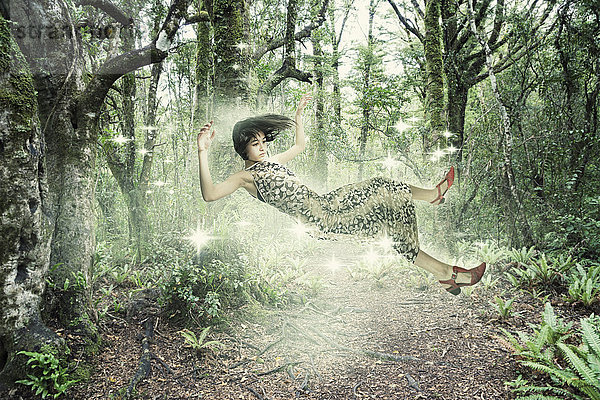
x=369, y=208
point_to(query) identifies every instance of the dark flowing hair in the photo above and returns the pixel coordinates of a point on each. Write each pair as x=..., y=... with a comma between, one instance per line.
x=270, y=125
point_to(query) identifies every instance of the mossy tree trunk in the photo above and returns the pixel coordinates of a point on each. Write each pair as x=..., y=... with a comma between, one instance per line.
x=204, y=71
x=24, y=248
x=231, y=51
x=366, y=85
x=68, y=113
x=434, y=89
x=321, y=138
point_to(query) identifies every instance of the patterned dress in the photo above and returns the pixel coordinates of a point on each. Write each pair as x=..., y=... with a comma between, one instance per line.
x=371, y=208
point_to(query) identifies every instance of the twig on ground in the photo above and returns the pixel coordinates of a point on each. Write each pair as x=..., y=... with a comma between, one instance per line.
x=355, y=388
x=145, y=367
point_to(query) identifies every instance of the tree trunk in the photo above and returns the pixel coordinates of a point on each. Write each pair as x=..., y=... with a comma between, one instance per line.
x=507, y=140
x=434, y=90
x=231, y=51
x=70, y=159
x=366, y=106
x=321, y=136
x=204, y=74
x=24, y=249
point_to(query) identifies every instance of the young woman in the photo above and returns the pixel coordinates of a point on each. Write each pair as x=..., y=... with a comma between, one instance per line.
x=373, y=207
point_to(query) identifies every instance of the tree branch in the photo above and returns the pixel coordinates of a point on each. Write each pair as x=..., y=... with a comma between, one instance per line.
x=110, y=9
x=93, y=96
x=298, y=36
x=406, y=22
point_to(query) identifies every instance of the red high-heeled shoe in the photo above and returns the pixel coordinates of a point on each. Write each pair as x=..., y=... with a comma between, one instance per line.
x=448, y=178
x=476, y=274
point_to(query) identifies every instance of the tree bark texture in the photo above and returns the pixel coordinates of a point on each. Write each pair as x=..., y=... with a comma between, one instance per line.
x=204, y=73
x=366, y=78
x=69, y=115
x=506, y=139
x=434, y=90
x=321, y=138
x=24, y=248
x=231, y=50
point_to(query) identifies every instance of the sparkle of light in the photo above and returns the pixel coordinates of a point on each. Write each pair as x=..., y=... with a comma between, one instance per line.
x=242, y=46
x=235, y=67
x=300, y=229
x=371, y=257
x=436, y=155
x=386, y=243
x=389, y=162
x=199, y=238
x=448, y=134
x=451, y=149
x=333, y=264
x=144, y=151
x=120, y=139
x=402, y=126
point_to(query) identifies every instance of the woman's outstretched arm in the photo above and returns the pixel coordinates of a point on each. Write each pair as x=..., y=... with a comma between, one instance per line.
x=210, y=191
x=300, y=143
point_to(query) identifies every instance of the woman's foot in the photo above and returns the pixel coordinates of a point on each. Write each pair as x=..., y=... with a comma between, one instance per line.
x=443, y=187
x=463, y=277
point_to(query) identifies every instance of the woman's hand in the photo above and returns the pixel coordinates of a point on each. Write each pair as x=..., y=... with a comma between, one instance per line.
x=205, y=138
x=306, y=97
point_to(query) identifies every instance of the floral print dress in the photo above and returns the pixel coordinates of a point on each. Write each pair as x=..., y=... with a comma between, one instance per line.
x=371, y=208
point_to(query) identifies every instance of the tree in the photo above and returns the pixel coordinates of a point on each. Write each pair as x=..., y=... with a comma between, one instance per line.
x=463, y=61
x=434, y=86
x=69, y=110
x=24, y=252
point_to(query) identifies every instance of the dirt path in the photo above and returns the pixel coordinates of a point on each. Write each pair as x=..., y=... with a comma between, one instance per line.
x=404, y=340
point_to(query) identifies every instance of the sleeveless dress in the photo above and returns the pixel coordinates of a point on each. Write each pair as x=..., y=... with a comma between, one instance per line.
x=371, y=208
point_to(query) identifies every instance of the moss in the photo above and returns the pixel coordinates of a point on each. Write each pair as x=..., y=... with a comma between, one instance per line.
x=18, y=94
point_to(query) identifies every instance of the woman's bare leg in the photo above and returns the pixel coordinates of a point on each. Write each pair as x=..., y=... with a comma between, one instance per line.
x=440, y=270
x=428, y=195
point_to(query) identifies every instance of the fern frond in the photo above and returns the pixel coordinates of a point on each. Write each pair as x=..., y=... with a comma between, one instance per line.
x=590, y=337
x=562, y=375
x=584, y=371
x=539, y=397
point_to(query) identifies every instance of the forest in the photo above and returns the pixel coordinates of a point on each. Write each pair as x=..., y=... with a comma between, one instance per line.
x=119, y=281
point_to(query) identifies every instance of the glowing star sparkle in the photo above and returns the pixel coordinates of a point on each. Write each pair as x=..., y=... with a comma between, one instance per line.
x=242, y=46
x=386, y=243
x=402, y=126
x=333, y=264
x=371, y=256
x=300, y=229
x=451, y=149
x=144, y=151
x=436, y=155
x=121, y=139
x=389, y=162
x=199, y=238
x=448, y=134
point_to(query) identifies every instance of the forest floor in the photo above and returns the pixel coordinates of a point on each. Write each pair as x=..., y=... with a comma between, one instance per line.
x=351, y=340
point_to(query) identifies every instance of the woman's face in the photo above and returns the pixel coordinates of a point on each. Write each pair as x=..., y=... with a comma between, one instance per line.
x=256, y=150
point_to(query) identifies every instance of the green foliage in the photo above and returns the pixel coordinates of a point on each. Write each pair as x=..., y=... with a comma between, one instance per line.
x=523, y=255
x=199, y=342
x=504, y=308
x=584, y=285
x=47, y=377
x=573, y=371
x=541, y=272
